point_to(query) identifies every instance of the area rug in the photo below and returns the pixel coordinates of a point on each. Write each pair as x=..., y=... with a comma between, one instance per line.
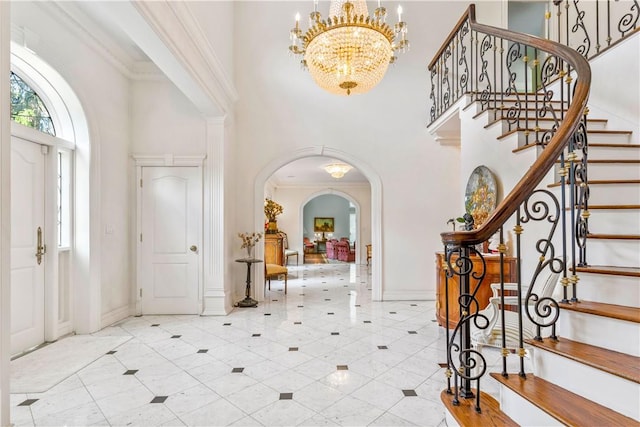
x=315, y=259
x=42, y=369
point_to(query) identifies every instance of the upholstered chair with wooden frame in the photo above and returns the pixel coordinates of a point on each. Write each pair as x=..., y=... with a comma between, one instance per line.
x=275, y=271
x=492, y=335
x=288, y=252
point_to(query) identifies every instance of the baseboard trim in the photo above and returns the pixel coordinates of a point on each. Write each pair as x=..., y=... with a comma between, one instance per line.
x=115, y=316
x=408, y=296
x=216, y=306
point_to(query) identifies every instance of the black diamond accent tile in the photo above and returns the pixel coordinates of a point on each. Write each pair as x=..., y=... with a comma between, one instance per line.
x=342, y=367
x=297, y=323
x=301, y=295
x=300, y=306
x=176, y=336
x=130, y=372
x=335, y=333
x=414, y=305
x=330, y=314
x=293, y=348
x=226, y=324
x=267, y=314
x=327, y=299
x=433, y=320
x=412, y=332
x=286, y=396
x=159, y=399
x=357, y=305
x=367, y=321
x=392, y=312
x=155, y=324
x=111, y=352
x=409, y=392
x=255, y=335
x=237, y=370
x=341, y=279
x=274, y=300
x=203, y=350
x=383, y=347
x=28, y=402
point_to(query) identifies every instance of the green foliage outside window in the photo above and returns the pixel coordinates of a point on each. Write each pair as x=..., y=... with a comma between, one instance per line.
x=27, y=108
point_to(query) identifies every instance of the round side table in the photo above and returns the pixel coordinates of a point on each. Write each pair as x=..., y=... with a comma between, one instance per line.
x=248, y=301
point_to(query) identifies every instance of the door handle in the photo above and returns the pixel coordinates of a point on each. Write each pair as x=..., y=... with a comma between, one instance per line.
x=193, y=248
x=41, y=249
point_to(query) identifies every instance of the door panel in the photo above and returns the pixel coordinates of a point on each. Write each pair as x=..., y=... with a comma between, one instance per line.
x=171, y=222
x=27, y=215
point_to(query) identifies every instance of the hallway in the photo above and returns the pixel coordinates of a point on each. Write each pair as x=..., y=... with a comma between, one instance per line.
x=322, y=355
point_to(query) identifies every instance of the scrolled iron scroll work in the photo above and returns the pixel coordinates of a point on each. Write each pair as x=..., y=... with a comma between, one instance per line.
x=463, y=67
x=549, y=71
x=585, y=46
x=446, y=83
x=542, y=206
x=580, y=184
x=468, y=364
x=434, y=113
x=514, y=54
x=487, y=92
x=629, y=21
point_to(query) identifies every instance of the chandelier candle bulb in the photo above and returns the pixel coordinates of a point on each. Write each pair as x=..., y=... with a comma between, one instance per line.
x=349, y=51
x=400, y=13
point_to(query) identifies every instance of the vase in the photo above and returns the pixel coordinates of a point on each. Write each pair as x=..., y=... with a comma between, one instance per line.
x=272, y=227
x=249, y=252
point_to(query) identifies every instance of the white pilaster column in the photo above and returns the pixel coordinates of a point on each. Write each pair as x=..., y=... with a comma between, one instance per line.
x=216, y=295
x=5, y=212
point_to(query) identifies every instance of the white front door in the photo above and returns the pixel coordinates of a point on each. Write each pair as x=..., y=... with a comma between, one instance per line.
x=27, y=233
x=171, y=218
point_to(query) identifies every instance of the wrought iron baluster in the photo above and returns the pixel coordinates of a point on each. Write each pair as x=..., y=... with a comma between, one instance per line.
x=525, y=62
x=518, y=231
x=597, y=26
x=585, y=46
x=502, y=78
x=484, y=74
x=502, y=249
x=629, y=20
x=462, y=62
x=513, y=113
x=494, y=95
x=432, y=96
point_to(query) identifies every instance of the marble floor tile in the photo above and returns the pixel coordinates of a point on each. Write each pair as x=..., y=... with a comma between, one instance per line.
x=294, y=353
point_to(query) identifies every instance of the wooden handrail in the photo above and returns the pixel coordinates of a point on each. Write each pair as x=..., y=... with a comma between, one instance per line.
x=554, y=148
x=469, y=14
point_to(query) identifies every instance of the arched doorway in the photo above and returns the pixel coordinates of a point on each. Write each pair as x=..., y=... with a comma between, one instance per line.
x=376, y=203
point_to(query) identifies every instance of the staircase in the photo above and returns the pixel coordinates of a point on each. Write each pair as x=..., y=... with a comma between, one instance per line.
x=590, y=374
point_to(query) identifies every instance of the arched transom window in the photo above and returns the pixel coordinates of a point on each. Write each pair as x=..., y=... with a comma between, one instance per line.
x=27, y=107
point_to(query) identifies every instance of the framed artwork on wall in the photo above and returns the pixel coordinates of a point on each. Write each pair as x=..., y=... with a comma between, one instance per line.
x=323, y=225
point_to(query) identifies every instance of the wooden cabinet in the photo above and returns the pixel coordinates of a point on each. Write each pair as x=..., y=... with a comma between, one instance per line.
x=492, y=275
x=273, y=249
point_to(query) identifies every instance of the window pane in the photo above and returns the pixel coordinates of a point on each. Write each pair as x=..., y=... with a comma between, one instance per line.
x=27, y=108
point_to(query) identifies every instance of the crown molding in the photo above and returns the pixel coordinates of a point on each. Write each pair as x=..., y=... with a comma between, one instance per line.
x=87, y=30
x=177, y=28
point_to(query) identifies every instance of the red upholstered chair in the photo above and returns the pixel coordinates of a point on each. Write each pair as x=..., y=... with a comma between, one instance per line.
x=309, y=247
x=332, y=252
x=345, y=253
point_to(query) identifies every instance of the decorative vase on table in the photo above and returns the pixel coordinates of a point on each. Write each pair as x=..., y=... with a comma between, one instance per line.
x=272, y=227
x=249, y=252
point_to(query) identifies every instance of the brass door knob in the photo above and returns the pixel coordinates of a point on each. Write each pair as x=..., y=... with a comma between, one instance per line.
x=193, y=248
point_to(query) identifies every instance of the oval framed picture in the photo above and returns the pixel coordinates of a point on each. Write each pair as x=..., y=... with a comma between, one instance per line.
x=480, y=197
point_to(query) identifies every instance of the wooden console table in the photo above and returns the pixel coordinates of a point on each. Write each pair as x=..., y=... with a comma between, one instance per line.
x=492, y=275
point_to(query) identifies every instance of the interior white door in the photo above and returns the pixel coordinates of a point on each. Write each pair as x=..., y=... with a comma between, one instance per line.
x=27, y=231
x=171, y=221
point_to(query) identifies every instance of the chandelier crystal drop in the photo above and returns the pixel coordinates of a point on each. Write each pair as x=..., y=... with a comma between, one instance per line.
x=350, y=51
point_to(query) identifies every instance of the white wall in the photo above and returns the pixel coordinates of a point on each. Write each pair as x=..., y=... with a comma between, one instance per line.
x=281, y=110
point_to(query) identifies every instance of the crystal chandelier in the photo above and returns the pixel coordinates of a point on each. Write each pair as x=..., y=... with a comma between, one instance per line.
x=337, y=170
x=350, y=51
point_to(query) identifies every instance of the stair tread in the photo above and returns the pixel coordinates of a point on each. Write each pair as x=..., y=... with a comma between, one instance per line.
x=592, y=207
x=621, y=312
x=614, y=236
x=534, y=119
x=620, y=364
x=466, y=415
x=610, y=270
x=567, y=407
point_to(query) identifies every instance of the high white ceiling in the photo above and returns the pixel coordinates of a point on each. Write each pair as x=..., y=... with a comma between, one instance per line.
x=308, y=171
